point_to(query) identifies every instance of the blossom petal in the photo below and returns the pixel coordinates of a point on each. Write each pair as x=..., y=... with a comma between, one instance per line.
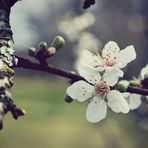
x=116, y=102
x=112, y=75
x=96, y=111
x=126, y=55
x=80, y=90
x=144, y=71
x=89, y=74
x=91, y=60
x=134, y=101
x=126, y=96
x=110, y=49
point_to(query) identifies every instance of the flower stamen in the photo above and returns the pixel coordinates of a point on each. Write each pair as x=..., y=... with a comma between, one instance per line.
x=102, y=88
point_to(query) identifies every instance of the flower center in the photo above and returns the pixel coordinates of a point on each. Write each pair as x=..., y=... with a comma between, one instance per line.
x=102, y=88
x=110, y=61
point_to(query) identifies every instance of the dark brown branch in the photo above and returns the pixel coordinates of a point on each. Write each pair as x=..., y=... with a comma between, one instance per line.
x=137, y=90
x=27, y=64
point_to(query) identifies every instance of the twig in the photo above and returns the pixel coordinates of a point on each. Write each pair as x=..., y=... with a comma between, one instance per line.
x=137, y=90
x=27, y=64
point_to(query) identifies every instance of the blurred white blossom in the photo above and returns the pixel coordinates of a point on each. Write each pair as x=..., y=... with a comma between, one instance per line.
x=87, y=41
x=144, y=72
x=72, y=26
x=134, y=100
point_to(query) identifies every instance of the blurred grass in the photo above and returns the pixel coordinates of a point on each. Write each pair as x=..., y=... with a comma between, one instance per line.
x=52, y=123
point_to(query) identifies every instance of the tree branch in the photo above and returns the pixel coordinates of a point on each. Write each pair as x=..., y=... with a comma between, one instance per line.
x=27, y=64
x=137, y=90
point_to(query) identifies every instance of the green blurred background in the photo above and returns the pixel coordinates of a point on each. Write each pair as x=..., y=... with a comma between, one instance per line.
x=51, y=122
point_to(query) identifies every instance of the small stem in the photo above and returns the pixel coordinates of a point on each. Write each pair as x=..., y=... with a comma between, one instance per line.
x=27, y=64
x=137, y=90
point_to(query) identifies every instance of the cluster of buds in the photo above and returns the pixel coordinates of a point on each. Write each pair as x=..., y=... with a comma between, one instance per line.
x=46, y=51
x=7, y=62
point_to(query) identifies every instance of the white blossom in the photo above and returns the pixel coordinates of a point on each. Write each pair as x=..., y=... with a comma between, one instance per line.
x=112, y=56
x=134, y=100
x=97, y=89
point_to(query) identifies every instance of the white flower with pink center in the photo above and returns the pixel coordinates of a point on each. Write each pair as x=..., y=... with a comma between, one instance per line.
x=97, y=88
x=112, y=56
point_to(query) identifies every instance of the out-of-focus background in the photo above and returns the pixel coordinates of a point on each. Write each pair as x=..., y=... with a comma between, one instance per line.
x=50, y=122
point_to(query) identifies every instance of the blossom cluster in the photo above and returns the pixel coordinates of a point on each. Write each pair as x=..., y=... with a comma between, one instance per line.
x=134, y=100
x=101, y=73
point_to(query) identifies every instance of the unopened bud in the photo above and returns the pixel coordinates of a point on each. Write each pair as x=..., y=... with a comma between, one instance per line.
x=51, y=51
x=43, y=45
x=58, y=42
x=32, y=52
x=68, y=99
x=134, y=83
x=122, y=86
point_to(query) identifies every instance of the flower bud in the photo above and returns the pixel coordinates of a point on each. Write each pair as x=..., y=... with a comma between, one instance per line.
x=58, y=42
x=134, y=83
x=32, y=52
x=122, y=86
x=68, y=99
x=43, y=45
x=51, y=51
